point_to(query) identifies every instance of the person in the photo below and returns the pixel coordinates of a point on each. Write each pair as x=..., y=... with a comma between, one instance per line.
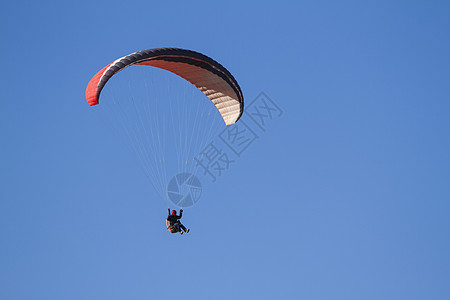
x=173, y=222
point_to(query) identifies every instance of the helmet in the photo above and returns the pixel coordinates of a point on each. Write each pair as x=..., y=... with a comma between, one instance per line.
x=174, y=212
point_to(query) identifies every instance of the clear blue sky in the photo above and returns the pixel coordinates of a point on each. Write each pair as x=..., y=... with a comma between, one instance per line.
x=346, y=196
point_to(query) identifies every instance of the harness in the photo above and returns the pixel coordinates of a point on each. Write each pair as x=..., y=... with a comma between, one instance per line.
x=173, y=227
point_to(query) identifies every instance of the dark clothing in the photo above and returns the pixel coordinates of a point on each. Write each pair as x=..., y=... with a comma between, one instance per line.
x=174, y=219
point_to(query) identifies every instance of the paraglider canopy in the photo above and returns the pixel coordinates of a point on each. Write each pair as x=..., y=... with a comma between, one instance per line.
x=210, y=77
